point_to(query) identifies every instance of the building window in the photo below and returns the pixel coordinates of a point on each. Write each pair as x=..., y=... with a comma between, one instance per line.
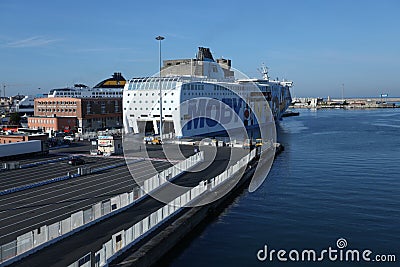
x=116, y=107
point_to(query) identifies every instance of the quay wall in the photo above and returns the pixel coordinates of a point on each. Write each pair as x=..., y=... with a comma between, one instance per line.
x=156, y=249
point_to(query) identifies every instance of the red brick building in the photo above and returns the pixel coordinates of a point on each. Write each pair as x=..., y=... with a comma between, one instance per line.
x=90, y=114
x=55, y=124
x=14, y=138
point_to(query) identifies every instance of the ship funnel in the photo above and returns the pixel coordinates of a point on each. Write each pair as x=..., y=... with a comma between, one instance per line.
x=204, y=54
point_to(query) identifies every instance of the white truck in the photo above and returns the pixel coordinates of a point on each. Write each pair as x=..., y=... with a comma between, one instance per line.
x=23, y=148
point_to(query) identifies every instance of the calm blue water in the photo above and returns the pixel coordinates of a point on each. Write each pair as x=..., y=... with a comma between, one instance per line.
x=339, y=177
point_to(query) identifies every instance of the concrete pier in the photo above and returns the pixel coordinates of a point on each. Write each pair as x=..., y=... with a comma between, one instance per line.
x=346, y=103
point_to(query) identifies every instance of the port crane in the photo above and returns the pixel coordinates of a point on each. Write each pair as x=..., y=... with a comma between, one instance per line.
x=4, y=85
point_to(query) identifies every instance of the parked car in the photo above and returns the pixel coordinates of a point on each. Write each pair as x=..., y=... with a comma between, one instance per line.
x=259, y=142
x=76, y=161
x=148, y=139
x=153, y=140
x=156, y=141
x=69, y=138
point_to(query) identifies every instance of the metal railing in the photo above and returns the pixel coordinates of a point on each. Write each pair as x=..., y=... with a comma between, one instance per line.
x=123, y=240
x=37, y=239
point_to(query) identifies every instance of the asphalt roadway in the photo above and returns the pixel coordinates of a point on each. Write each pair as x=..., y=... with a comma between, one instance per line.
x=74, y=247
x=19, y=177
x=26, y=210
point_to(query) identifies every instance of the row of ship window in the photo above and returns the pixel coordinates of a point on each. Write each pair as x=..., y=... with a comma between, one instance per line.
x=152, y=84
x=69, y=93
x=215, y=87
x=93, y=93
x=184, y=93
x=192, y=86
x=230, y=93
x=152, y=101
x=147, y=94
x=107, y=93
x=151, y=109
x=226, y=93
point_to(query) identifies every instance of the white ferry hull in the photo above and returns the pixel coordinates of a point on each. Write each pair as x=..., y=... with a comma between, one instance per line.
x=202, y=102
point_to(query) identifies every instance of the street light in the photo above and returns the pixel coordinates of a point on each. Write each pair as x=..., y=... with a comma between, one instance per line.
x=159, y=39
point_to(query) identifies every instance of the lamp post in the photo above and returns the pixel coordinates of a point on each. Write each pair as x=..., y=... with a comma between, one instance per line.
x=343, y=92
x=159, y=39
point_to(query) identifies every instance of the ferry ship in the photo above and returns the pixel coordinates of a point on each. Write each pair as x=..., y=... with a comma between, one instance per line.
x=112, y=87
x=191, y=90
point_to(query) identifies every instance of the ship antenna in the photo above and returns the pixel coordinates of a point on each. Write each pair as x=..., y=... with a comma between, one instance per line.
x=264, y=71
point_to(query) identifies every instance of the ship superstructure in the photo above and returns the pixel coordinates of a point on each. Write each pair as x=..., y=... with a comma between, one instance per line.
x=191, y=90
x=112, y=87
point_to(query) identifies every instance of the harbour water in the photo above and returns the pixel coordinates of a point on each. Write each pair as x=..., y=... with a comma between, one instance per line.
x=339, y=177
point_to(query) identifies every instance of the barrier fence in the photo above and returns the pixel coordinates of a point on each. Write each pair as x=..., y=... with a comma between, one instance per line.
x=81, y=171
x=123, y=240
x=45, y=235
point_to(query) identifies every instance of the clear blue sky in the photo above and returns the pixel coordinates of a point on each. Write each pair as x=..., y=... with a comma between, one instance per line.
x=317, y=44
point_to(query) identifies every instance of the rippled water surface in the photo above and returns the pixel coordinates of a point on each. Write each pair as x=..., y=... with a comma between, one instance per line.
x=339, y=177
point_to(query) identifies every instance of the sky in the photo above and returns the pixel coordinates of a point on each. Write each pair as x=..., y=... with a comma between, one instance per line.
x=317, y=44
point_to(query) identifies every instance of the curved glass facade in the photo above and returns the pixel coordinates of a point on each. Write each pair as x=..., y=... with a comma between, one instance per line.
x=153, y=83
